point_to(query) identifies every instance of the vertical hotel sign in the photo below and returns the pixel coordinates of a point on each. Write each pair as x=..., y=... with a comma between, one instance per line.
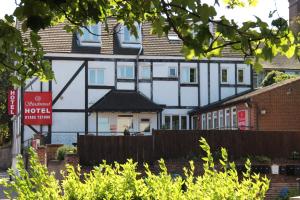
x=37, y=108
x=242, y=119
x=12, y=102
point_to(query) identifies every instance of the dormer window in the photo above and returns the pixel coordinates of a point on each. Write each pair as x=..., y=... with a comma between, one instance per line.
x=90, y=37
x=128, y=39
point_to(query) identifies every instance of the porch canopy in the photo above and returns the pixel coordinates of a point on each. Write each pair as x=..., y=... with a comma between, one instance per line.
x=125, y=101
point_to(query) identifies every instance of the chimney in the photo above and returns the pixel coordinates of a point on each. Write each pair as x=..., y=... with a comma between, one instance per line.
x=294, y=15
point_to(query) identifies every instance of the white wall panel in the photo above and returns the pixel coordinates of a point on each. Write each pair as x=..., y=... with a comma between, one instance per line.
x=189, y=96
x=161, y=69
x=73, y=97
x=125, y=86
x=165, y=92
x=243, y=89
x=109, y=71
x=247, y=73
x=203, y=84
x=214, y=83
x=227, y=92
x=95, y=95
x=231, y=72
x=145, y=88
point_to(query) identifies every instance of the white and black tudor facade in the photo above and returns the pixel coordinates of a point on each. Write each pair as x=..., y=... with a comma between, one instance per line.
x=106, y=84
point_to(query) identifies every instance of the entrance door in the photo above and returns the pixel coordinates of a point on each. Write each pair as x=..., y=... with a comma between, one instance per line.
x=125, y=122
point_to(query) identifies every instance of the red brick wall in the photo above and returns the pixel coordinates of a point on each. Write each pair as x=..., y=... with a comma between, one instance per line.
x=282, y=107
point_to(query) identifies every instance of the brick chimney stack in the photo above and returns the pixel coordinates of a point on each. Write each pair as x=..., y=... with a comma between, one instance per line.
x=294, y=14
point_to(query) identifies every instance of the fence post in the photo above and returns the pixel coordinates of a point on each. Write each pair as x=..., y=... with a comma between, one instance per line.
x=153, y=157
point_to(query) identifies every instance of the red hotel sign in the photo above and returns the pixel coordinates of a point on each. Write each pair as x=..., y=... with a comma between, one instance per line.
x=12, y=102
x=37, y=108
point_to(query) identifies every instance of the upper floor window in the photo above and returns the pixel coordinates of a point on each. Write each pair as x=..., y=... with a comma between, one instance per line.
x=240, y=75
x=172, y=72
x=128, y=39
x=91, y=36
x=96, y=76
x=189, y=75
x=125, y=72
x=145, y=72
x=224, y=75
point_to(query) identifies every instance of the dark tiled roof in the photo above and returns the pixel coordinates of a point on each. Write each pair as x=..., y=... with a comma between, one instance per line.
x=245, y=96
x=282, y=63
x=57, y=40
x=125, y=101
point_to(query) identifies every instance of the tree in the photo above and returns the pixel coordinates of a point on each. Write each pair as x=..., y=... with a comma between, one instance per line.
x=275, y=77
x=189, y=19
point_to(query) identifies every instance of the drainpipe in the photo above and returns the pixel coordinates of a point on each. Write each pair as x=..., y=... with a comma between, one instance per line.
x=137, y=59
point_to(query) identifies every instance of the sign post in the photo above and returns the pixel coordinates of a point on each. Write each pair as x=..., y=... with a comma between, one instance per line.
x=37, y=108
x=12, y=102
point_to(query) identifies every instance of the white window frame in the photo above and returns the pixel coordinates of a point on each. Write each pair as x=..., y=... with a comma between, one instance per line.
x=214, y=116
x=232, y=117
x=209, y=118
x=221, y=119
x=143, y=120
x=96, y=76
x=82, y=42
x=131, y=44
x=221, y=75
x=119, y=75
x=169, y=74
x=189, y=75
x=180, y=118
x=227, y=122
x=142, y=75
x=237, y=75
x=99, y=127
x=203, y=122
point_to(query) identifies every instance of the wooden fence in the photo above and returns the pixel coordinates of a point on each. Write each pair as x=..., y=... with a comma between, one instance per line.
x=169, y=144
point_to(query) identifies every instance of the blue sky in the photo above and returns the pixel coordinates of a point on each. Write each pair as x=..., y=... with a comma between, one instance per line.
x=242, y=14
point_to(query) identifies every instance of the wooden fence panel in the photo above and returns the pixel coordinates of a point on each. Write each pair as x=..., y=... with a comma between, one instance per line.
x=169, y=144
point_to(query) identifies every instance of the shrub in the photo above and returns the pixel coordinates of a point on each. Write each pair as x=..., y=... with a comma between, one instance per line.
x=123, y=181
x=262, y=159
x=62, y=151
x=275, y=77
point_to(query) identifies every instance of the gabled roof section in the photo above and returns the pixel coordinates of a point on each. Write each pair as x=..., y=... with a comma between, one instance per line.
x=125, y=101
x=282, y=63
x=244, y=97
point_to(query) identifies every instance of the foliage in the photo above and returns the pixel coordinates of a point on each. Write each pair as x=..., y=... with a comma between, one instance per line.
x=62, y=151
x=286, y=193
x=191, y=20
x=262, y=159
x=295, y=155
x=123, y=181
x=275, y=77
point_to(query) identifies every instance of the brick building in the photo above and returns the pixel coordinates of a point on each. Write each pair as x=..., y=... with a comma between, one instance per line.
x=275, y=107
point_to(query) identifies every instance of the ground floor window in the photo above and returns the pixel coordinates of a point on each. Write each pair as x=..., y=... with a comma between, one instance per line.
x=103, y=124
x=195, y=122
x=175, y=122
x=215, y=120
x=227, y=118
x=208, y=120
x=221, y=119
x=233, y=117
x=145, y=125
x=203, y=124
x=125, y=123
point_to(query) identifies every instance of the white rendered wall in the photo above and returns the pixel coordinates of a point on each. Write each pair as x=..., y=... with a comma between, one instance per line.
x=161, y=69
x=165, y=92
x=95, y=95
x=145, y=88
x=214, y=82
x=125, y=86
x=203, y=83
x=189, y=96
x=227, y=92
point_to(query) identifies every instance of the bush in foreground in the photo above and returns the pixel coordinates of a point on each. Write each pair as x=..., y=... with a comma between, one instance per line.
x=122, y=181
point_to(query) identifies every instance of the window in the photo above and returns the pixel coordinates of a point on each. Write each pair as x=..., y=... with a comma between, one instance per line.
x=145, y=72
x=172, y=72
x=240, y=74
x=215, y=120
x=227, y=118
x=129, y=37
x=89, y=39
x=167, y=122
x=208, y=120
x=126, y=72
x=173, y=37
x=233, y=117
x=203, y=121
x=103, y=124
x=221, y=119
x=189, y=75
x=195, y=122
x=96, y=76
x=145, y=125
x=183, y=123
x=224, y=75
x=175, y=122
x=125, y=122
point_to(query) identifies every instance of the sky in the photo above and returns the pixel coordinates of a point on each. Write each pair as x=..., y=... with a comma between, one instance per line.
x=241, y=14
